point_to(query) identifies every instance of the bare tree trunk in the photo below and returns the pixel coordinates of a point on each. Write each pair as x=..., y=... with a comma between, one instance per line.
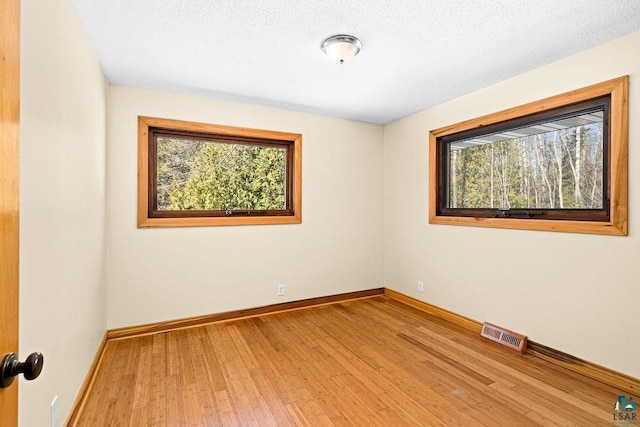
x=505, y=183
x=559, y=163
x=454, y=178
x=524, y=171
x=552, y=201
x=597, y=171
x=492, y=166
x=577, y=169
x=593, y=189
x=463, y=189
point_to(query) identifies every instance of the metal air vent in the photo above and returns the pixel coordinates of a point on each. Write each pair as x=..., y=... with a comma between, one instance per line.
x=504, y=337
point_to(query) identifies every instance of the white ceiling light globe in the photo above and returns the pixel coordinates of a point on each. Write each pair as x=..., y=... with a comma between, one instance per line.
x=341, y=48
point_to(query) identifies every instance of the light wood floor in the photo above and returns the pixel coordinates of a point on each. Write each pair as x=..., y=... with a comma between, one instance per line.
x=371, y=362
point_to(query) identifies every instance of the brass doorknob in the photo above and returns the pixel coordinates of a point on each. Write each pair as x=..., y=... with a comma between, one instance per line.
x=11, y=366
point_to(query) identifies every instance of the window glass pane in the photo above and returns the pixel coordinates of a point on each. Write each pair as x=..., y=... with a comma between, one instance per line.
x=207, y=175
x=553, y=164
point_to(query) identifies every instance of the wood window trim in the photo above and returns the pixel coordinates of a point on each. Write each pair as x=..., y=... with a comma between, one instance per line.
x=618, y=90
x=145, y=220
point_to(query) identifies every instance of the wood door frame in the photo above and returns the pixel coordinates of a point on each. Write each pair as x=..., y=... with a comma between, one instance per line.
x=9, y=188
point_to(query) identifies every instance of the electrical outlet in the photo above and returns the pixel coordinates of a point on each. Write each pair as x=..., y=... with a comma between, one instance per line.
x=280, y=290
x=420, y=286
x=54, y=411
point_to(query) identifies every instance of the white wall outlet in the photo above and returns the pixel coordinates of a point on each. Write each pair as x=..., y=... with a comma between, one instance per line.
x=280, y=290
x=420, y=286
x=54, y=411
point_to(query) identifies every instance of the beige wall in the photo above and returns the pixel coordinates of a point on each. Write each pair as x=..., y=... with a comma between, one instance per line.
x=576, y=293
x=62, y=190
x=161, y=274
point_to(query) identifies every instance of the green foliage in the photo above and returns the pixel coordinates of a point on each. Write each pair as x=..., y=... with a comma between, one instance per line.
x=205, y=175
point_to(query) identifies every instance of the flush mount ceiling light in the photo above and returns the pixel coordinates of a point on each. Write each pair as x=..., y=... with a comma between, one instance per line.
x=342, y=47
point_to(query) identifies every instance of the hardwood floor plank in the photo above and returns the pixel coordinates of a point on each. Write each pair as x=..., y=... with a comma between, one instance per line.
x=551, y=412
x=106, y=406
x=600, y=413
x=122, y=408
x=370, y=362
x=271, y=398
x=454, y=364
x=100, y=388
x=176, y=414
x=142, y=387
x=241, y=344
x=228, y=413
x=158, y=396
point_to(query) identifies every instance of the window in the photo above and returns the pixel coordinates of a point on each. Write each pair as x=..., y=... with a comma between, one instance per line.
x=558, y=164
x=193, y=174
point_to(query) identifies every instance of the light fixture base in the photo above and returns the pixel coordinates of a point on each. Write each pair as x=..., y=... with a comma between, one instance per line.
x=341, y=47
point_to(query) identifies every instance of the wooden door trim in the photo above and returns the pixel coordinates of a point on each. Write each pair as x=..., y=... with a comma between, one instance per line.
x=9, y=188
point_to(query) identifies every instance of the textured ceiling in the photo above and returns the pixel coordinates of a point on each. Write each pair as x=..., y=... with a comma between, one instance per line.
x=415, y=54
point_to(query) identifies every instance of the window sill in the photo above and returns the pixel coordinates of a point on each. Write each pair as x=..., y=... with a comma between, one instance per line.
x=610, y=228
x=217, y=221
